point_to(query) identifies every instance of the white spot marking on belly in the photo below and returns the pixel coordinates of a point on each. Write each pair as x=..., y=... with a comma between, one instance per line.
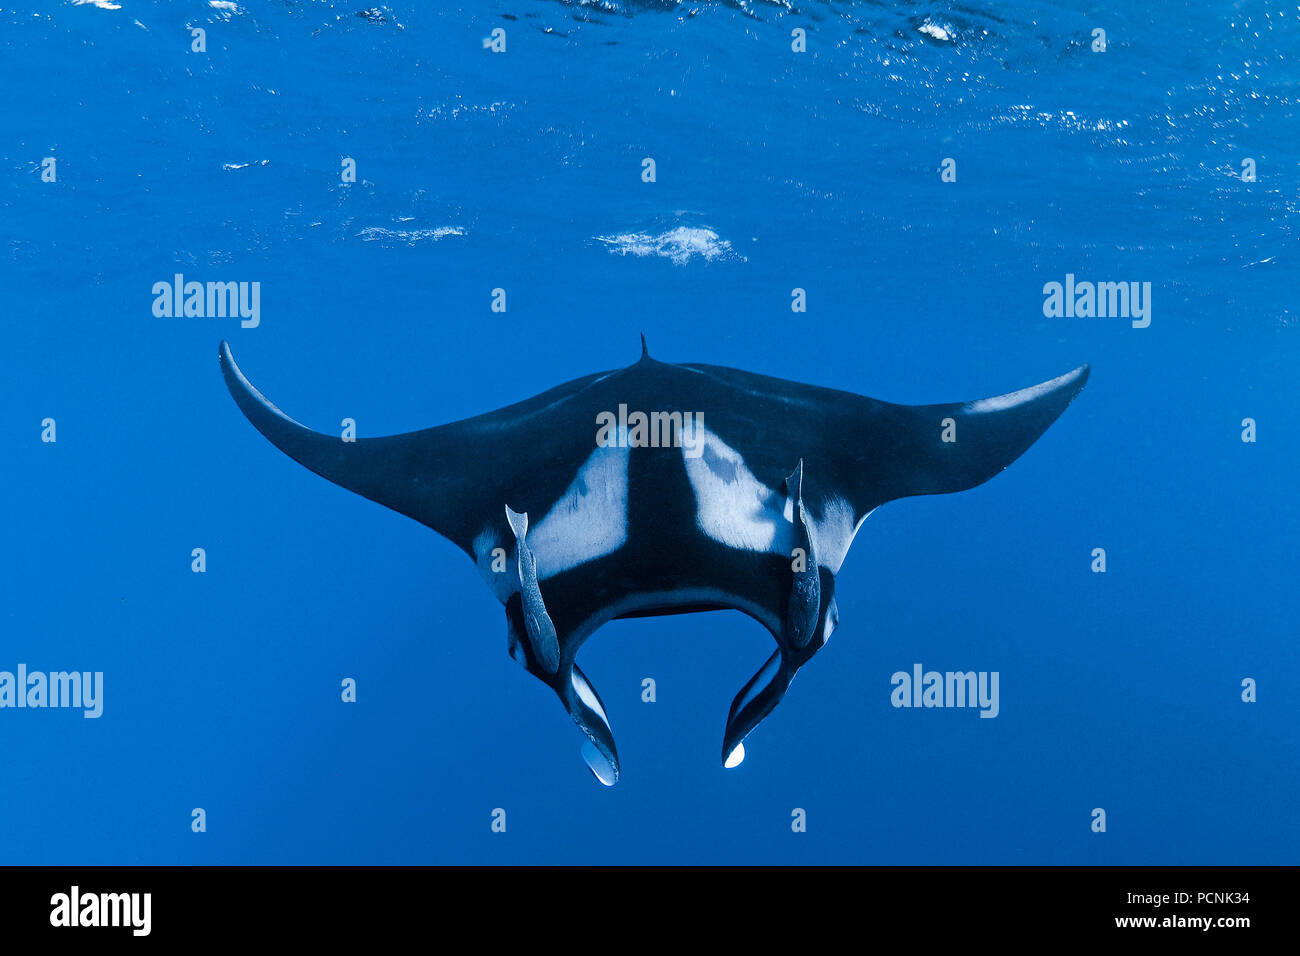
x=589, y=520
x=736, y=509
x=732, y=506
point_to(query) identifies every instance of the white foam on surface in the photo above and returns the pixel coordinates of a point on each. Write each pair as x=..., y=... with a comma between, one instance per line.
x=680, y=245
x=411, y=236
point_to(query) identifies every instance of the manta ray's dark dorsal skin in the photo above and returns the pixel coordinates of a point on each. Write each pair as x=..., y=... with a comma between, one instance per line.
x=573, y=524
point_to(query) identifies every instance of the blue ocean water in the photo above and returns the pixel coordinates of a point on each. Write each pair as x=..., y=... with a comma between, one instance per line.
x=522, y=170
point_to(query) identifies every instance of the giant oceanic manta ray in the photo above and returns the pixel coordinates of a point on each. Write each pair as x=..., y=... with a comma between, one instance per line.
x=719, y=489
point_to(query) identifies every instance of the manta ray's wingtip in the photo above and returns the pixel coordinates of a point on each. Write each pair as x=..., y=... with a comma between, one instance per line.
x=1071, y=383
x=645, y=349
x=1056, y=393
x=246, y=396
x=282, y=431
x=230, y=371
x=235, y=379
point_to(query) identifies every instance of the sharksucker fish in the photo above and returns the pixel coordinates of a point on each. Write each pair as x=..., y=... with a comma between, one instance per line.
x=746, y=497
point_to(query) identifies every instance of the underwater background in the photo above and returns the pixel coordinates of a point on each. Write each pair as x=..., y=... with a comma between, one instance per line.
x=522, y=170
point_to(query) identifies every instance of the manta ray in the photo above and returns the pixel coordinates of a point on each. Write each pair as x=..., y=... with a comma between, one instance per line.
x=722, y=489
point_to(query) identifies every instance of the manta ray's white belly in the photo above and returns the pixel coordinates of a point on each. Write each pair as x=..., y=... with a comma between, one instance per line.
x=590, y=519
x=587, y=522
x=736, y=509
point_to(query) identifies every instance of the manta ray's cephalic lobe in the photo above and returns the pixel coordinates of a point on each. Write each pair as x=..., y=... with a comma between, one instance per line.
x=666, y=489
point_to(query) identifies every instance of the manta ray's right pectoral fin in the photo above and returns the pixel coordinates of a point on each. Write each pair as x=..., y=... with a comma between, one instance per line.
x=754, y=702
x=540, y=630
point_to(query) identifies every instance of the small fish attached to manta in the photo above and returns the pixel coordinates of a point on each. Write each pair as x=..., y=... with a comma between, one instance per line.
x=738, y=491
